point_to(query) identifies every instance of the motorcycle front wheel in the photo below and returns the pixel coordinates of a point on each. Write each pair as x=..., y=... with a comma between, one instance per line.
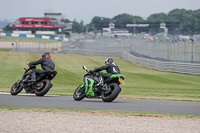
x=16, y=88
x=79, y=93
x=41, y=88
x=114, y=91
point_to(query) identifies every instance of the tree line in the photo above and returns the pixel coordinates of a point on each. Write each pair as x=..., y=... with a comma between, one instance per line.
x=189, y=22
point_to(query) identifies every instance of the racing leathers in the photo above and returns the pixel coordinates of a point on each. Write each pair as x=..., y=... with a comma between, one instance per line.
x=111, y=68
x=47, y=65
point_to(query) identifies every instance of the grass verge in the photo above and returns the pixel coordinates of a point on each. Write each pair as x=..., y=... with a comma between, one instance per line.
x=140, y=82
x=5, y=49
x=147, y=114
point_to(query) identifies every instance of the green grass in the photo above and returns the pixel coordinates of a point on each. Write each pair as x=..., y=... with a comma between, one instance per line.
x=151, y=114
x=140, y=82
x=5, y=49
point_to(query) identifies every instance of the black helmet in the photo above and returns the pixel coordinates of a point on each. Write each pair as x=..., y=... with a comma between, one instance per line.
x=109, y=61
x=47, y=55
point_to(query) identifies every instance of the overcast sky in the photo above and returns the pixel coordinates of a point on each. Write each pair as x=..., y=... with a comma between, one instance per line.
x=86, y=9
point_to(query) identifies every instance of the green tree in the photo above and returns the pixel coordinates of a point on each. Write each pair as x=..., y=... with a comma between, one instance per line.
x=98, y=23
x=65, y=20
x=67, y=34
x=158, y=17
x=7, y=28
x=197, y=21
x=77, y=27
x=127, y=18
x=189, y=20
x=176, y=15
x=122, y=19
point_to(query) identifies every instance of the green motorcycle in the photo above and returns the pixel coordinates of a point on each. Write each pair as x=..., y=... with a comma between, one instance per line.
x=108, y=91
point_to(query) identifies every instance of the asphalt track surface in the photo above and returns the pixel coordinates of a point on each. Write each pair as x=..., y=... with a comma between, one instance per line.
x=139, y=105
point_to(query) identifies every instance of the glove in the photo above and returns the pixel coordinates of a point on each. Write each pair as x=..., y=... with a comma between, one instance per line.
x=91, y=71
x=29, y=64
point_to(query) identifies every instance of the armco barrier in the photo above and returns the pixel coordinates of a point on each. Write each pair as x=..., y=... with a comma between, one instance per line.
x=31, y=36
x=188, y=68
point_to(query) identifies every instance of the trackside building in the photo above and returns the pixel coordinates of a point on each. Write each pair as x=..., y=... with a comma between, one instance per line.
x=36, y=25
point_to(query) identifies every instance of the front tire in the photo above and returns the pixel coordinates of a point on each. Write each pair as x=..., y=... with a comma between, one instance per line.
x=16, y=88
x=43, y=87
x=79, y=93
x=112, y=94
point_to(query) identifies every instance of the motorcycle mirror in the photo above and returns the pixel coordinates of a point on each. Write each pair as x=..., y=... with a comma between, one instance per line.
x=84, y=67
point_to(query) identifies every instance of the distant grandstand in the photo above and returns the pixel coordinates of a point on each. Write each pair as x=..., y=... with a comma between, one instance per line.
x=50, y=24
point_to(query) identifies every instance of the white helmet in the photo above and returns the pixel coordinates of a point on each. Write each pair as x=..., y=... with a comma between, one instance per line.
x=109, y=61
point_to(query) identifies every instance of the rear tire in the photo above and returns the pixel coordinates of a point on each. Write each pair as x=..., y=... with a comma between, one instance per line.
x=46, y=85
x=16, y=88
x=112, y=94
x=79, y=93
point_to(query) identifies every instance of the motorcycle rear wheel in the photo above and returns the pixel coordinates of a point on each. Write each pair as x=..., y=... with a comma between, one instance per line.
x=42, y=90
x=16, y=88
x=112, y=94
x=79, y=93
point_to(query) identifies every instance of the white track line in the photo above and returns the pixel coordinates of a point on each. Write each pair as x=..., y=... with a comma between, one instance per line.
x=5, y=93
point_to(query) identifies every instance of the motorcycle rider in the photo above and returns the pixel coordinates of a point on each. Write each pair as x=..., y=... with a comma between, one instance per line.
x=47, y=65
x=110, y=67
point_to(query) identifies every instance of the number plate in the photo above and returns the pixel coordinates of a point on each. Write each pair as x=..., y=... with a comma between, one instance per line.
x=121, y=80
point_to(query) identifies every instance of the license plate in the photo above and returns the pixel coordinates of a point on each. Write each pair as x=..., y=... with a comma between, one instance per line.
x=121, y=80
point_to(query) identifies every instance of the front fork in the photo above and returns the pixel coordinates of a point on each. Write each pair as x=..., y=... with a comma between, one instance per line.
x=19, y=81
x=17, y=85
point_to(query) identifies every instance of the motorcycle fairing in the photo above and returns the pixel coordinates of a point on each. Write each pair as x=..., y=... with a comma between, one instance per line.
x=117, y=75
x=88, y=86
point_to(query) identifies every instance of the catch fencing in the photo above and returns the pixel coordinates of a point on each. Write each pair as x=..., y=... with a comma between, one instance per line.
x=170, y=50
x=171, y=54
x=174, y=49
x=97, y=46
x=37, y=47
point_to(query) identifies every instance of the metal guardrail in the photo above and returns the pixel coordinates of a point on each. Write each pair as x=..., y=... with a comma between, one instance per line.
x=188, y=68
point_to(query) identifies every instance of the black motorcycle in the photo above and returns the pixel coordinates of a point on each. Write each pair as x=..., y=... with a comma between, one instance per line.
x=40, y=87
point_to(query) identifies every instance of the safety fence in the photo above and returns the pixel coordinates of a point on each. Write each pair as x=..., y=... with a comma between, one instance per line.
x=171, y=50
x=162, y=49
x=174, y=49
x=37, y=47
x=105, y=46
x=172, y=54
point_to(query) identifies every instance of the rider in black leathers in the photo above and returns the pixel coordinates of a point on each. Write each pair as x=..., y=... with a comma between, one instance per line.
x=47, y=65
x=110, y=67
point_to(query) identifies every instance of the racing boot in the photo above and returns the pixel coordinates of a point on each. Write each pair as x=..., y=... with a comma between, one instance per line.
x=100, y=84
